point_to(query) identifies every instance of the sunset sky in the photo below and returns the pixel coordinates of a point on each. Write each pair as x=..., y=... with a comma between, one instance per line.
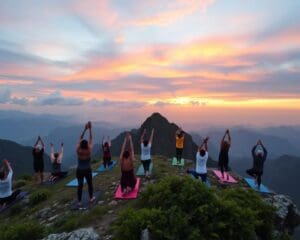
x=199, y=62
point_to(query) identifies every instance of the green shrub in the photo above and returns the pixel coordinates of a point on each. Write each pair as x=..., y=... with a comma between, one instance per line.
x=39, y=196
x=26, y=177
x=19, y=183
x=185, y=209
x=29, y=230
x=16, y=209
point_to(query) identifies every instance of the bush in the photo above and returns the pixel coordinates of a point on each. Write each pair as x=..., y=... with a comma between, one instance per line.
x=185, y=209
x=28, y=230
x=19, y=183
x=26, y=177
x=39, y=196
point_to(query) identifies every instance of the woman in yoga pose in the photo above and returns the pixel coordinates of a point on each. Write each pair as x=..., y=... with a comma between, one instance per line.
x=84, y=170
x=146, y=152
x=223, y=155
x=128, y=179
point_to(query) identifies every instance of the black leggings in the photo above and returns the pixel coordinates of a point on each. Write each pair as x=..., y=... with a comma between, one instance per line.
x=179, y=153
x=223, y=167
x=10, y=198
x=256, y=175
x=107, y=161
x=87, y=174
x=146, y=164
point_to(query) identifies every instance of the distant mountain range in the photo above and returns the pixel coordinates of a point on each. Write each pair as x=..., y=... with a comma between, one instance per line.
x=164, y=139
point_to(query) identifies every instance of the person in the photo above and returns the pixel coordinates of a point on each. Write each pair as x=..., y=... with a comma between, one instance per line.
x=128, y=179
x=146, y=152
x=201, y=160
x=6, y=194
x=179, y=136
x=56, y=160
x=84, y=170
x=223, y=154
x=38, y=159
x=106, y=152
x=259, y=154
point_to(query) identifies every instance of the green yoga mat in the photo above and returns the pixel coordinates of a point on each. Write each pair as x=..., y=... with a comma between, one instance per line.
x=140, y=171
x=175, y=163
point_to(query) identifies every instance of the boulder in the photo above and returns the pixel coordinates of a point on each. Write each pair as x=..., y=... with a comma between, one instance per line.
x=79, y=234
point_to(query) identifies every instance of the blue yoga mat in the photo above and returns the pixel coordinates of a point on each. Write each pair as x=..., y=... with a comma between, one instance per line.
x=85, y=201
x=103, y=169
x=20, y=196
x=140, y=171
x=74, y=182
x=262, y=189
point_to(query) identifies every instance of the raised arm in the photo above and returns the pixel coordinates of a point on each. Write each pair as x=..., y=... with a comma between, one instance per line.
x=223, y=139
x=142, y=137
x=103, y=140
x=123, y=147
x=109, y=141
x=264, y=149
x=37, y=141
x=42, y=142
x=131, y=147
x=151, y=137
x=253, y=151
x=52, y=152
x=204, y=144
x=82, y=135
x=91, y=135
x=229, y=137
x=7, y=165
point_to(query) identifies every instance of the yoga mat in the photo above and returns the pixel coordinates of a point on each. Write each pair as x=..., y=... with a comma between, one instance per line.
x=132, y=195
x=74, y=182
x=175, y=163
x=20, y=196
x=49, y=183
x=219, y=175
x=103, y=169
x=140, y=171
x=85, y=201
x=262, y=189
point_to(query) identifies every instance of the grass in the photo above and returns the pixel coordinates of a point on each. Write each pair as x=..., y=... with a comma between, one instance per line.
x=58, y=196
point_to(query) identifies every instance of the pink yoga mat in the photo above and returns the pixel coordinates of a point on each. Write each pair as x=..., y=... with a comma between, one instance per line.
x=133, y=194
x=219, y=175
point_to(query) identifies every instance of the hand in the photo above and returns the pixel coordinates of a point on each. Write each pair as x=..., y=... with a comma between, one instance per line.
x=86, y=126
x=62, y=144
x=227, y=131
x=89, y=124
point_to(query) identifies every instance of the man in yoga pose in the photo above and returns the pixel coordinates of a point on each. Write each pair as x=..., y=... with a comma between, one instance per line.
x=84, y=170
x=56, y=160
x=146, y=152
x=6, y=194
x=259, y=154
x=179, y=136
x=38, y=159
x=223, y=155
x=128, y=179
x=106, y=144
x=201, y=160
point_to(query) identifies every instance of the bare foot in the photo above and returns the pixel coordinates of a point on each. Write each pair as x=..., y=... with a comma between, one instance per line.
x=93, y=199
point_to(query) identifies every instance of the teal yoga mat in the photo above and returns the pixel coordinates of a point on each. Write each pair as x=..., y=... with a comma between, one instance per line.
x=140, y=171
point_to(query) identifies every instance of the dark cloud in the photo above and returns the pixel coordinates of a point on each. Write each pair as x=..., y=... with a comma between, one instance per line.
x=56, y=99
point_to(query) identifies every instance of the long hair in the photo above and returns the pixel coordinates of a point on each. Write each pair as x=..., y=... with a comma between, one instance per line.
x=202, y=152
x=84, y=144
x=2, y=173
x=225, y=145
x=126, y=154
x=56, y=155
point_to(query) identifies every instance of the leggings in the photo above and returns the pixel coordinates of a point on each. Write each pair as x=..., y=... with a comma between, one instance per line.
x=87, y=174
x=223, y=167
x=107, y=161
x=256, y=175
x=179, y=153
x=10, y=198
x=146, y=164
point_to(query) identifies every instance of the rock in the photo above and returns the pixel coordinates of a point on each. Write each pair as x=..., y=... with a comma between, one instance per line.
x=100, y=202
x=44, y=213
x=51, y=219
x=110, y=211
x=79, y=234
x=287, y=214
x=113, y=203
